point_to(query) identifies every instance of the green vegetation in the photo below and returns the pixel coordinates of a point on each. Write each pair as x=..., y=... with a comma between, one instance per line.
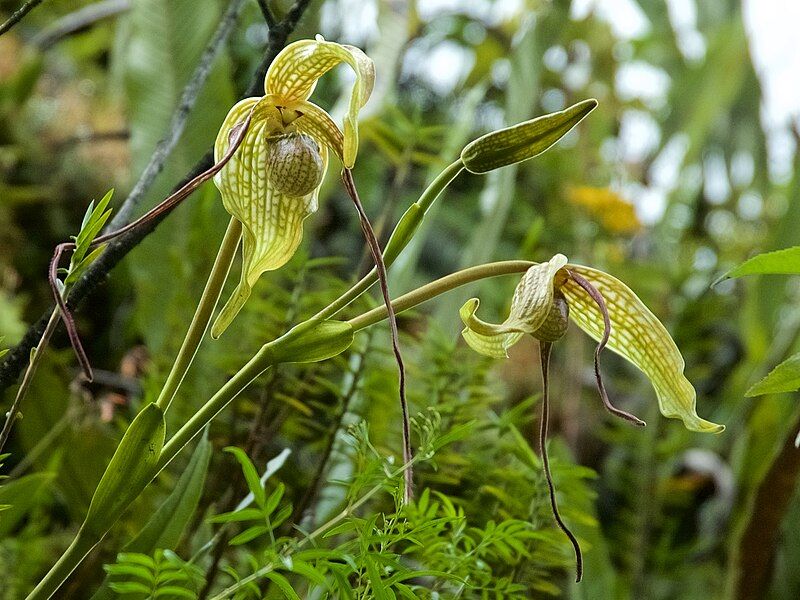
x=167, y=445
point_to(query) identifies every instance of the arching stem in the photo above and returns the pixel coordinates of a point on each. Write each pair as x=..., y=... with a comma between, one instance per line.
x=544, y=352
x=380, y=267
x=595, y=295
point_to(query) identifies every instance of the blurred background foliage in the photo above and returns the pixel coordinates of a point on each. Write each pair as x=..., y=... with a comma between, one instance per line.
x=671, y=181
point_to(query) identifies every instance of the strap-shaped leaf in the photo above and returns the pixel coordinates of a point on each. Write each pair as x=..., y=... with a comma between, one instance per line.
x=130, y=470
x=638, y=336
x=272, y=222
x=530, y=306
x=523, y=141
x=293, y=75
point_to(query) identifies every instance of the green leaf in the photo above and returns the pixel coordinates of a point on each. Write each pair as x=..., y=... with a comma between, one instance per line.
x=171, y=591
x=130, y=587
x=130, y=470
x=249, y=534
x=274, y=499
x=780, y=262
x=523, y=141
x=250, y=475
x=165, y=528
x=306, y=570
x=378, y=588
x=75, y=272
x=246, y=514
x=21, y=496
x=283, y=584
x=783, y=378
x=130, y=570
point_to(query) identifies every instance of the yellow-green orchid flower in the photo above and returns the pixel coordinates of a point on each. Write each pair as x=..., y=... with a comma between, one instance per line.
x=271, y=183
x=551, y=291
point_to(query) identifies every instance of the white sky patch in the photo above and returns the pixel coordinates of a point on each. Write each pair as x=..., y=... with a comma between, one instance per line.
x=641, y=80
x=683, y=16
x=639, y=135
x=442, y=66
x=626, y=19
x=771, y=27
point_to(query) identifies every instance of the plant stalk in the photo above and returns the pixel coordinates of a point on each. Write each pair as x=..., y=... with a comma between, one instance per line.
x=440, y=286
x=28, y=377
x=202, y=316
x=72, y=557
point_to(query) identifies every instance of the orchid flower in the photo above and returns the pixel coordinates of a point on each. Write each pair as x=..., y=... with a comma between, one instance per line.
x=272, y=182
x=553, y=292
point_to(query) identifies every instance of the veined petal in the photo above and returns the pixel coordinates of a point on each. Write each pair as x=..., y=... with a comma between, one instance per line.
x=295, y=71
x=530, y=307
x=318, y=124
x=638, y=336
x=534, y=295
x=486, y=338
x=272, y=222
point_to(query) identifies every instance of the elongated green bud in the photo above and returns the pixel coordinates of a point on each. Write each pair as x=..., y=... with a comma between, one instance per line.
x=311, y=342
x=294, y=164
x=130, y=470
x=518, y=143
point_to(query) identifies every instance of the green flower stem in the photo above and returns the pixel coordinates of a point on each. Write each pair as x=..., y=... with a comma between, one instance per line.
x=235, y=385
x=401, y=236
x=202, y=315
x=440, y=286
x=69, y=560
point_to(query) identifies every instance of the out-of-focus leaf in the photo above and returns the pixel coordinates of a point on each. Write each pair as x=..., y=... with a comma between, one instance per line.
x=783, y=378
x=283, y=584
x=20, y=496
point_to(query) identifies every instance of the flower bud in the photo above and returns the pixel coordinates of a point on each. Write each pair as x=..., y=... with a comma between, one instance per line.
x=555, y=325
x=294, y=164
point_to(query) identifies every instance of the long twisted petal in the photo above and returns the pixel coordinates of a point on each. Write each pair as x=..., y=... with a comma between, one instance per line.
x=638, y=336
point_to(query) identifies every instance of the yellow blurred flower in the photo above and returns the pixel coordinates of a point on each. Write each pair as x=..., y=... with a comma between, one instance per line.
x=608, y=207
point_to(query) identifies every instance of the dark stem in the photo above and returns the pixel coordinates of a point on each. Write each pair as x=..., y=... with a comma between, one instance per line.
x=544, y=352
x=19, y=14
x=595, y=295
x=17, y=358
x=269, y=18
x=237, y=134
x=380, y=267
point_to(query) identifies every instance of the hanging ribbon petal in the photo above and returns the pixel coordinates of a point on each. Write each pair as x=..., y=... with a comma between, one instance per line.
x=638, y=336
